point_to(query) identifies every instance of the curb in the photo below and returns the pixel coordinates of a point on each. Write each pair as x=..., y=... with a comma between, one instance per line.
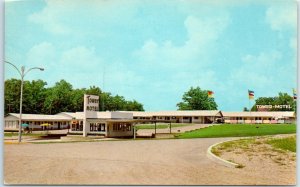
x=5, y=142
x=219, y=160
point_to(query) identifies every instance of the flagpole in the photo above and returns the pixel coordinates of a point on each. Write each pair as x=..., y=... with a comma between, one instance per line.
x=294, y=98
x=249, y=107
x=249, y=110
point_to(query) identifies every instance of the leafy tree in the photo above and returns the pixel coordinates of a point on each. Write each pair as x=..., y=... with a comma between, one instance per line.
x=197, y=99
x=59, y=98
x=263, y=101
x=77, y=99
x=133, y=106
x=34, y=96
x=12, y=90
x=281, y=99
x=245, y=109
x=284, y=99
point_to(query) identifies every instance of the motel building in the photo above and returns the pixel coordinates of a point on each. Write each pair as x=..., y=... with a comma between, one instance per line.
x=35, y=120
x=109, y=124
x=121, y=123
x=259, y=117
x=188, y=116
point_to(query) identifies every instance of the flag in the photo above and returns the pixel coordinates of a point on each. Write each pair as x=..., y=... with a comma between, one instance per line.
x=294, y=94
x=210, y=93
x=251, y=94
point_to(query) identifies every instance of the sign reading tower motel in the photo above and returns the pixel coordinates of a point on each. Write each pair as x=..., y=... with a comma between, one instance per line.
x=91, y=106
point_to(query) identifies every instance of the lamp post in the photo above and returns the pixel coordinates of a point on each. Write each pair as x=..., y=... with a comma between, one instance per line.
x=22, y=73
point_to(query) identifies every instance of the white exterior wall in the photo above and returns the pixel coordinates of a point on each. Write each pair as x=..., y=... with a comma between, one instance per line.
x=112, y=133
x=185, y=120
x=199, y=120
x=121, y=115
x=11, y=124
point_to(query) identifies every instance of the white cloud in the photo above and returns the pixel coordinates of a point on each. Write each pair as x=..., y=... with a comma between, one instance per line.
x=81, y=58
x=282, y=16
x=202, y=35
x=42, y=54
x=49, y=18
x=257, y=71
x=186, y=65
x=77, y=16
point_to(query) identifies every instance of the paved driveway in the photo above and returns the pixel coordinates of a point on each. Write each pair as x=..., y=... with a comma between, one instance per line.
x=124, y=162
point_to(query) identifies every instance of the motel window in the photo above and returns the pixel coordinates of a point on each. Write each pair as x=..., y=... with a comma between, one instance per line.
x=195, y=117
x=91, y=126
x=121, y=127
x=173, y=117
x=97, y=127
x=185, y=117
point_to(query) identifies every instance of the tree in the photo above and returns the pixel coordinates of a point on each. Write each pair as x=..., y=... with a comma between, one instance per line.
x=197, y=99
x=12, y=89
x=34, y=96
x=133, y=106
x=285, y=99
x=263, y=101
x=281, y=99
x=77, y=99
x=58, y=98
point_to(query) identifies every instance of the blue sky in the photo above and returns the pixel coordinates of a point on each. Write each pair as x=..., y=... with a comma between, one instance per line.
x=154, y=51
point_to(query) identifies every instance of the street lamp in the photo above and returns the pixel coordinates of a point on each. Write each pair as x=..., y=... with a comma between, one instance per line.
x=22, y=74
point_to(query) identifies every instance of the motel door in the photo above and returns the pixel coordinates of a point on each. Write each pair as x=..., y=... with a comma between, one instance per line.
x=58, y=125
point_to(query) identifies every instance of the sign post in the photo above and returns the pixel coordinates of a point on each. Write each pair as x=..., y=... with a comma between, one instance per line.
x=91, y=106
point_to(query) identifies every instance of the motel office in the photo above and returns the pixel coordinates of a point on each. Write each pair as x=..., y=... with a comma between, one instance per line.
x=109, y=124
x=120, y=124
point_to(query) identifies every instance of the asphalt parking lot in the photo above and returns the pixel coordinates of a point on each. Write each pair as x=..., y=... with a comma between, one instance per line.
x=140, y=162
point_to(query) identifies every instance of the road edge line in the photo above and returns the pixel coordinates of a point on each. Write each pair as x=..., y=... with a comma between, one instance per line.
x=219, y=160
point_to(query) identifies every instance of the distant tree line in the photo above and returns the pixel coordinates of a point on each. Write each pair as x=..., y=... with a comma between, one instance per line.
x=281, y=99
x=62, y=97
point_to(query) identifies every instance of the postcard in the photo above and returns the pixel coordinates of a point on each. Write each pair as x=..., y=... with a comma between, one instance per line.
x=162, y=92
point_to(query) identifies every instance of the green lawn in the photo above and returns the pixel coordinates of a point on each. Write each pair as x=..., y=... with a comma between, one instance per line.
x=288, y=143
x=240, y=130
x=161, y=125
x=10, y=134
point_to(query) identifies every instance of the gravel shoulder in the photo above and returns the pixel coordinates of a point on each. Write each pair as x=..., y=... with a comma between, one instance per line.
x=256, y=156
x=139, y=162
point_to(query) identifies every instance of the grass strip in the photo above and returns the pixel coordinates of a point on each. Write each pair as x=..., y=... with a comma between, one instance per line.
x=10, y=134
x=288, y=143
x=160, y=126
x=239, y=130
